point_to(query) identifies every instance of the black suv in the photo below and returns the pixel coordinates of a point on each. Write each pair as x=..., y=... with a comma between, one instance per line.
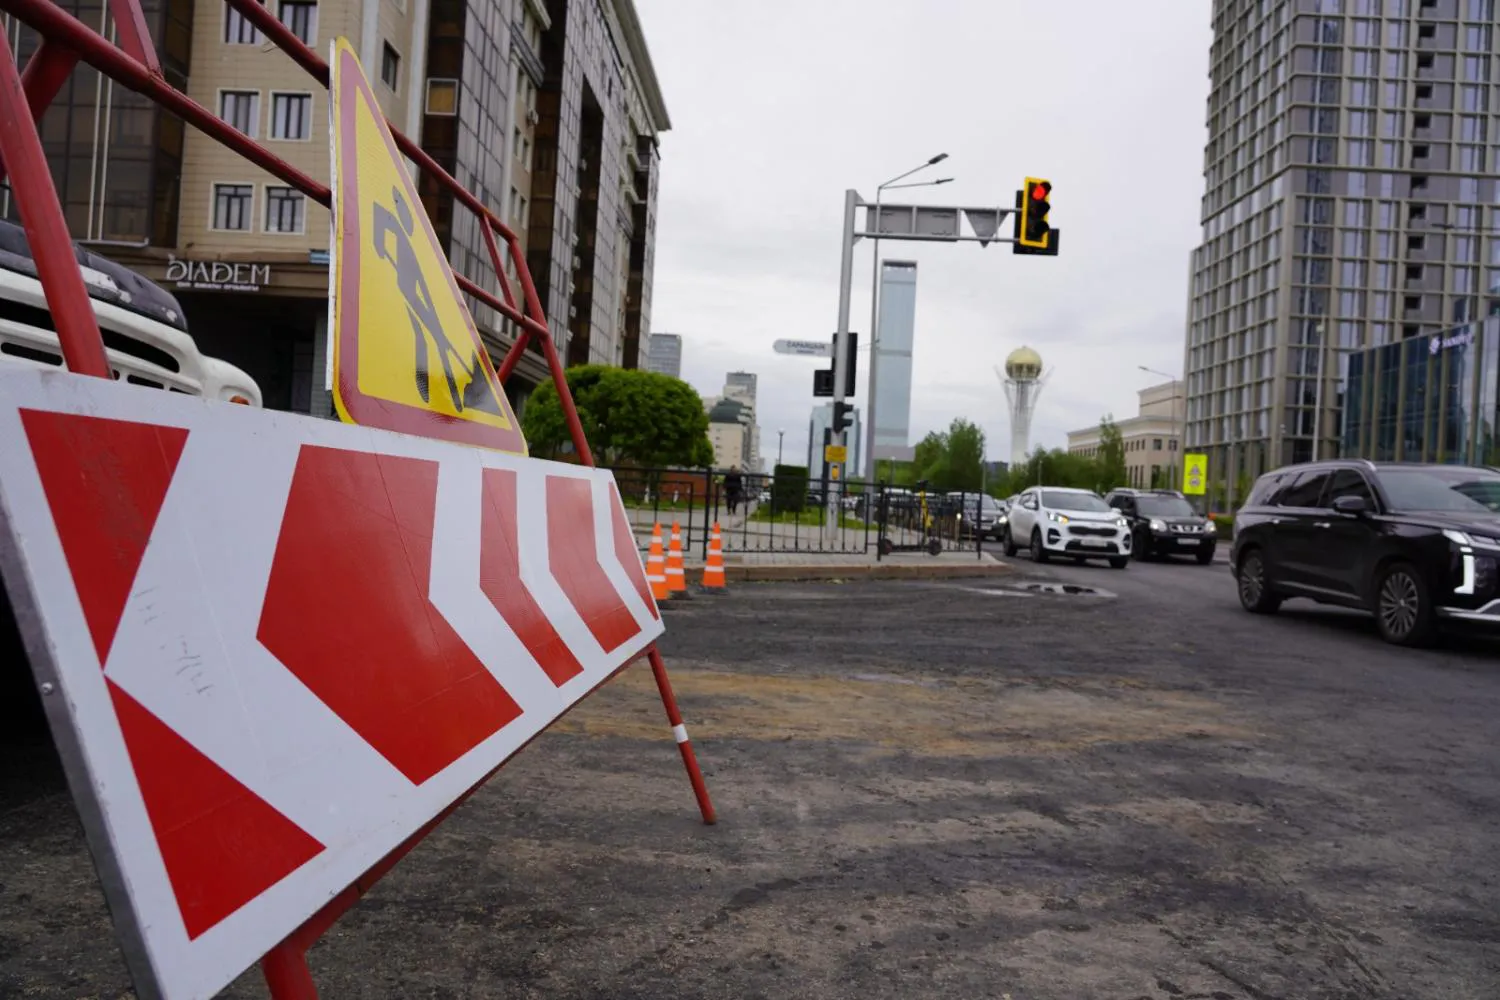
x=1413, y=544
x=1165, y=524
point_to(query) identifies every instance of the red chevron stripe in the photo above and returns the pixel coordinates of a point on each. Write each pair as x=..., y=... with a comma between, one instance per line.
x=500, y=579
x=105, y=481
x=347, y=612
x=575, y=562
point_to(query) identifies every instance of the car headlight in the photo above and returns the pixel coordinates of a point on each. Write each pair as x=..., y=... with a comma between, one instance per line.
x=1120, y=522
x=1058, y=518
x=1157, y=524
x=1210, y=528
x=1474, y=541
x=1001, y=519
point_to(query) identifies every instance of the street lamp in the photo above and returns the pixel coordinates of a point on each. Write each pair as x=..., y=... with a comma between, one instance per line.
x=1178, y=428
x=892, y=184
x=780, y=437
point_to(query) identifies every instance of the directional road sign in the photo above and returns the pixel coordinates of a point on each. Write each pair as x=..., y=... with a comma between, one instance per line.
x=804, y=348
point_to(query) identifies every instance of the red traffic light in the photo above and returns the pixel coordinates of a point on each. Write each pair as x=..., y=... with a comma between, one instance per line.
x=1038, y=192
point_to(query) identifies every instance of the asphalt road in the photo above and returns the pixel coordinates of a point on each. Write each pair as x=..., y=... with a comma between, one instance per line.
x=945, y=790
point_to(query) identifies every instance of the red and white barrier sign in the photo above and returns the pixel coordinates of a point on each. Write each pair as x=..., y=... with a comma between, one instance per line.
x=273, y=647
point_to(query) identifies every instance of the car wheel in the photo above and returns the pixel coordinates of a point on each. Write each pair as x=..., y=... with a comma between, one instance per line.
x=1403, y=611
x=1038, y=554
x=1119, y=562
x=934, y=546
x=1205, y=556
x=1010, y=545
x=1255, y=596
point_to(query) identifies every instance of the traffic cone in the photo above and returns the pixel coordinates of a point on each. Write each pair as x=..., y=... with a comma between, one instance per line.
x=713, y=572
x=676, y=579
x=656, y=567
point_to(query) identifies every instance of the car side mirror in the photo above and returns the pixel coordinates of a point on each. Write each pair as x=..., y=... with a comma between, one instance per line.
x=1351, y=506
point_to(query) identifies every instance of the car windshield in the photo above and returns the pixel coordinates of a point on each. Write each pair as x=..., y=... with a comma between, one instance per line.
x=1158, y=506
x=1447, y=488
x=1058, y=500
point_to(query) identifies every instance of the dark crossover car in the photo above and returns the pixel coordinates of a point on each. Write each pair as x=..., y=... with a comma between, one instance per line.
x=1413, y=544
x=1165, y=524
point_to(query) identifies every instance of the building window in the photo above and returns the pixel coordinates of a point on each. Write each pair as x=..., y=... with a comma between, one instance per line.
x=285, y=210
x=442, y=97
x=390, y=66
x=301, y=17
x=232, y=205
x=237, y=30
x=291, y=116
x=241, y=109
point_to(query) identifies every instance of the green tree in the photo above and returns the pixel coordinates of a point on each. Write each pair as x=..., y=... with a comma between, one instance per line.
x=965, y=456
x=629, y=417
x=930, y=460
x=1110, y=459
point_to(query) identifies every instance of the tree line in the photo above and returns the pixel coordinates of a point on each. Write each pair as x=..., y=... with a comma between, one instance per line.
x=953, y=460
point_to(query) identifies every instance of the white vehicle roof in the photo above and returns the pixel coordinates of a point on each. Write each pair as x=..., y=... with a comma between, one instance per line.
x=145, y=334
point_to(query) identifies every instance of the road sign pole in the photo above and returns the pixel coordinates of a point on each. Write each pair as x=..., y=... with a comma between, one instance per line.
x=840, y=340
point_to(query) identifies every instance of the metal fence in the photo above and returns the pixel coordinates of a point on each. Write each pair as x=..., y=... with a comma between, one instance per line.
x=799, y=515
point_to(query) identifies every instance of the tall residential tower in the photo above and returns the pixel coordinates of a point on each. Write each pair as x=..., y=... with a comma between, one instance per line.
x=1349, y=171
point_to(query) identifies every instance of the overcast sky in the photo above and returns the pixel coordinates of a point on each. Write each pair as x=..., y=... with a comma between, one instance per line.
x=778, y=106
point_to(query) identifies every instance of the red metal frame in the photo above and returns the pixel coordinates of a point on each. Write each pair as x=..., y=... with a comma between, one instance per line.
x=133, y=63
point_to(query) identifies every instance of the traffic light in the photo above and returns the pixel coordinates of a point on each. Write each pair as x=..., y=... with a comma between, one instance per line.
x=823, y=378
x=843, y=416
x=1033, y=233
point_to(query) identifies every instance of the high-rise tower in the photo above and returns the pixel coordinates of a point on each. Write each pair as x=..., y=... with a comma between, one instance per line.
x=1023, y=378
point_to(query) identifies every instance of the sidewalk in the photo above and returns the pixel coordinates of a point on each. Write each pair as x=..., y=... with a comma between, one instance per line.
x=766, y=567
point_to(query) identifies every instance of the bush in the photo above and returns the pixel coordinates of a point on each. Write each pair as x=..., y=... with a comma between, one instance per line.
x=789, y=489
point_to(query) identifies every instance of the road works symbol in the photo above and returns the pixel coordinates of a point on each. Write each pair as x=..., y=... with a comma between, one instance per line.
x=407, y=356
x=1195, y=474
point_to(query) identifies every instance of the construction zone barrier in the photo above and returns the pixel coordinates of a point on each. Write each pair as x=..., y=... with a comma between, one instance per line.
x=656, y=567
x=676, y=572
x=275, y=651
x=713, y=569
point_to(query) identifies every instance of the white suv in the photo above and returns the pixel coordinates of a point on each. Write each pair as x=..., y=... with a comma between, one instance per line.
x=1053, y=521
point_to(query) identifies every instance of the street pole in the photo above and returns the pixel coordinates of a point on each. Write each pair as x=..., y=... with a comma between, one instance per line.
x=780, y=438
x=841, y=340
x=1317, y=446
x=875, y=307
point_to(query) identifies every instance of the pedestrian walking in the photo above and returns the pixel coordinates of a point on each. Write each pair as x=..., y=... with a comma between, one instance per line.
x=734, y=488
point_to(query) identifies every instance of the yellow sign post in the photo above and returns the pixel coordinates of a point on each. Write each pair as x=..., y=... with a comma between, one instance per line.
x=406, y=354
x=1195, y=474
x=836, y=453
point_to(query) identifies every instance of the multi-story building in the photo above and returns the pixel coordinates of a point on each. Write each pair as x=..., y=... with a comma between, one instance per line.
x=729, y=424
x=1350, y=170
x=1153, y=457
x=741, y=386
x=594, y=180
x=890, y=432
x=664, y=355
x=495, y=91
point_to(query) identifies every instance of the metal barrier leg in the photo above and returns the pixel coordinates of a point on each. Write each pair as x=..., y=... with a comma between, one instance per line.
x=679, y=732
x=287, y=975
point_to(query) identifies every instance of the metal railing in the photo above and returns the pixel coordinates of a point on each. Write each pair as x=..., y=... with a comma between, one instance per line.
x=793, y=514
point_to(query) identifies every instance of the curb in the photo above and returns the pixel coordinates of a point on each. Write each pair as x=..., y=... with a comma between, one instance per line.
x=878, y=571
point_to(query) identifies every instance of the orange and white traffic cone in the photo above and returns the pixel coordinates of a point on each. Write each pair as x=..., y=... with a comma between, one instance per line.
x=713, y=571
x=676, y=578
x=656, y=567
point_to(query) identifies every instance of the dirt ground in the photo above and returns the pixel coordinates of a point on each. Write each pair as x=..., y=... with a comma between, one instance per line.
x=942, y=790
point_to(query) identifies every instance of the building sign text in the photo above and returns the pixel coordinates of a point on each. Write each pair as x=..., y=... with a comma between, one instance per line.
x=217, y=275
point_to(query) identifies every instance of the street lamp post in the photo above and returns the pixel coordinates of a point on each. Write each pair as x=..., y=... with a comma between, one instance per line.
x=1178, y=429
x=780, y=437
x=875, y=303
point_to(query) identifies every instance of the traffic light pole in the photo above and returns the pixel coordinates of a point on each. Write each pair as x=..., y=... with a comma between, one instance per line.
x=840, y=357
x=919, y=223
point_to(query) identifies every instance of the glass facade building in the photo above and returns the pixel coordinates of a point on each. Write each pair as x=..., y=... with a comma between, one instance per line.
x=1425, y=399
x=1350, y=203
x=116, y=157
